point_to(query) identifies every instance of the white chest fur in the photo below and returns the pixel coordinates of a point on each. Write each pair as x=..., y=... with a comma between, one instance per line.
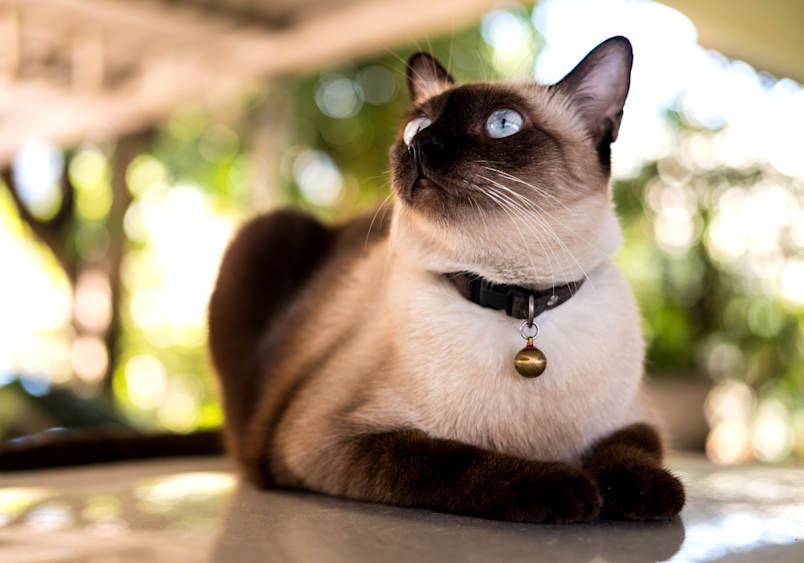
x=461, y=383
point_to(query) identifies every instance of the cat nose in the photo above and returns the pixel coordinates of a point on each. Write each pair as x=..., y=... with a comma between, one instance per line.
x=424, y=144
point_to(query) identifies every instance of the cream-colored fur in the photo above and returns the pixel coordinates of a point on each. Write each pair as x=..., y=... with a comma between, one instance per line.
x=408, y=351
x=460, y=372
x=426, y=358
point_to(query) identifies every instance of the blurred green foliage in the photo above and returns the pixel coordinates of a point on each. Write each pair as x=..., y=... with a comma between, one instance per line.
x=703, y=316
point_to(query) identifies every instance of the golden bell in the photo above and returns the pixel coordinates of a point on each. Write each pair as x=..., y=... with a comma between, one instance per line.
x=530, y=361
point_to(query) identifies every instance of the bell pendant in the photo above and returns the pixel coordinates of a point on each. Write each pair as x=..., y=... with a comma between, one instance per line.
x=530, y=362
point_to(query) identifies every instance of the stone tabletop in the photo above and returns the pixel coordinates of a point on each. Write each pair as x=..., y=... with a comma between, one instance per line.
x=196, y=510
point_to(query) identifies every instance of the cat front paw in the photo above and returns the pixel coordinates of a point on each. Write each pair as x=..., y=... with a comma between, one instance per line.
x=633, y=490
x=553, y=493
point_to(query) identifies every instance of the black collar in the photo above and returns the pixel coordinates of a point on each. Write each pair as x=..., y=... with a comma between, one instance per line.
x=512, y=299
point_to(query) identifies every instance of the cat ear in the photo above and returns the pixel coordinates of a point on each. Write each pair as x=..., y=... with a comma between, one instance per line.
x=599, y=85
x=426, y=77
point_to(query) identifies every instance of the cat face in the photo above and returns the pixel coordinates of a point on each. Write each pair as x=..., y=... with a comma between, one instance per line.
x=510, y=180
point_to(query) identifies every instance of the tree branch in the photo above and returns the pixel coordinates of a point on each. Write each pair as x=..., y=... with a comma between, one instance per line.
x=53, y=231
x=128, y=148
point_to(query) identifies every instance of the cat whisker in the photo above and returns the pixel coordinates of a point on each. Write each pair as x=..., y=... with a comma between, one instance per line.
x=532, y=205
x=544, y=223
x=486, y=164
x=480, y=212
x=538, y=190
x=505, y=208
x=382, y=217
x=507, y=204
x=429, y=46
x=405, y=63
x=547, y=194
x=524, y=215
x=374, y=218
x=528, y=215
x=517, y=63
x=538, y=209
x=451, y=40
x=482, y=65
x=380, y=175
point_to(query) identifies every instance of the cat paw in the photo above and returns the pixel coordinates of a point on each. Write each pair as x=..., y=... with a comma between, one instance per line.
x=636, y=491
x=556, y=494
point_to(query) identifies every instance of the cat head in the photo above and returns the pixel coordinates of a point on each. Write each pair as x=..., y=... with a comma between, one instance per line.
x=510, y=180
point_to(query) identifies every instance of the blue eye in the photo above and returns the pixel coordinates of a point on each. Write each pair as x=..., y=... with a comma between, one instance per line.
x=503, y=123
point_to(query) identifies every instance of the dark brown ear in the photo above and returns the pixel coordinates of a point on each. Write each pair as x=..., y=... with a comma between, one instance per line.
x=426, y=77
x=599, y=86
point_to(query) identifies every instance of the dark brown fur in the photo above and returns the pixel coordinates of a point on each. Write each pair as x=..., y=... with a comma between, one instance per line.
x=407, y=468
x=262, y=281
x=84, y=447
x=295, y=311
x=627, y=467
x=622, y=477
x=264, y=268
x=292, y=423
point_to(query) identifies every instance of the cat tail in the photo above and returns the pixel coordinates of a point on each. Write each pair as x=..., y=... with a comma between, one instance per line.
x=265, y=266
x=59, y=448
x=268, y=262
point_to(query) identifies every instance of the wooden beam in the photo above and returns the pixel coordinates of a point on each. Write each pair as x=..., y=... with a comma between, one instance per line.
x=9, y=40
x=768, y=35
x=87, y=64
x=201, y=57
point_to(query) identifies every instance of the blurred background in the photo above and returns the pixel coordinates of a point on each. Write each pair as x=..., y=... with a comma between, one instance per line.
x=136, y=135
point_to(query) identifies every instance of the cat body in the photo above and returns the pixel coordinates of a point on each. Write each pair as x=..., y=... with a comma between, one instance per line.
x=352, y=365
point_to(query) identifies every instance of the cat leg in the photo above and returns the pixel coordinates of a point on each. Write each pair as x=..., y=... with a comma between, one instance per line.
x=627, y=467
x=408, y=468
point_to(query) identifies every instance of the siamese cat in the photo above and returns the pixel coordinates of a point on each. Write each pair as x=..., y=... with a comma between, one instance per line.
x=383, y=368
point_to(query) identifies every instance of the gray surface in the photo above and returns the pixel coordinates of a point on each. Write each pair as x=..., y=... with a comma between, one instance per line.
x=195, y=510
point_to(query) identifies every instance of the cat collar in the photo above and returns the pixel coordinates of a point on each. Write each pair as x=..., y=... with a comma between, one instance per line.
x=512, y=299
x=519, y=303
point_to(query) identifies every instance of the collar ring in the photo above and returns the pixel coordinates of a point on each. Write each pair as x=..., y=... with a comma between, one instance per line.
x=522, y=328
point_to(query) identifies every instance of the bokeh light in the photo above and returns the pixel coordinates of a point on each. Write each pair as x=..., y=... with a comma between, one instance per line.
x=36, y=302
x=164, y=494
x=377, y=84
x=772, y=438
x=15, y=500
x=93, y=301
x=318, y=177
x=709, y=185
x=506, y=31
x=179, y=409
x=219, y=143
x=89, y=175
x=339, y=97
x=143, y=172
x=37, y=174
x=146, y=378
x=90, y=359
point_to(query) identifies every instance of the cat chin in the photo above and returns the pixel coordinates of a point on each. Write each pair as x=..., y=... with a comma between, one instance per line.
x=588, y=232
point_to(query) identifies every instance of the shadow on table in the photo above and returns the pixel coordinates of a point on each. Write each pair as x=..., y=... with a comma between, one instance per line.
x=294, y=526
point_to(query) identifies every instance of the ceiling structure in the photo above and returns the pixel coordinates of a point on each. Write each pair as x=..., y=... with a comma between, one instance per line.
x=77, y=69
x=72, y=70
x=767, y=35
